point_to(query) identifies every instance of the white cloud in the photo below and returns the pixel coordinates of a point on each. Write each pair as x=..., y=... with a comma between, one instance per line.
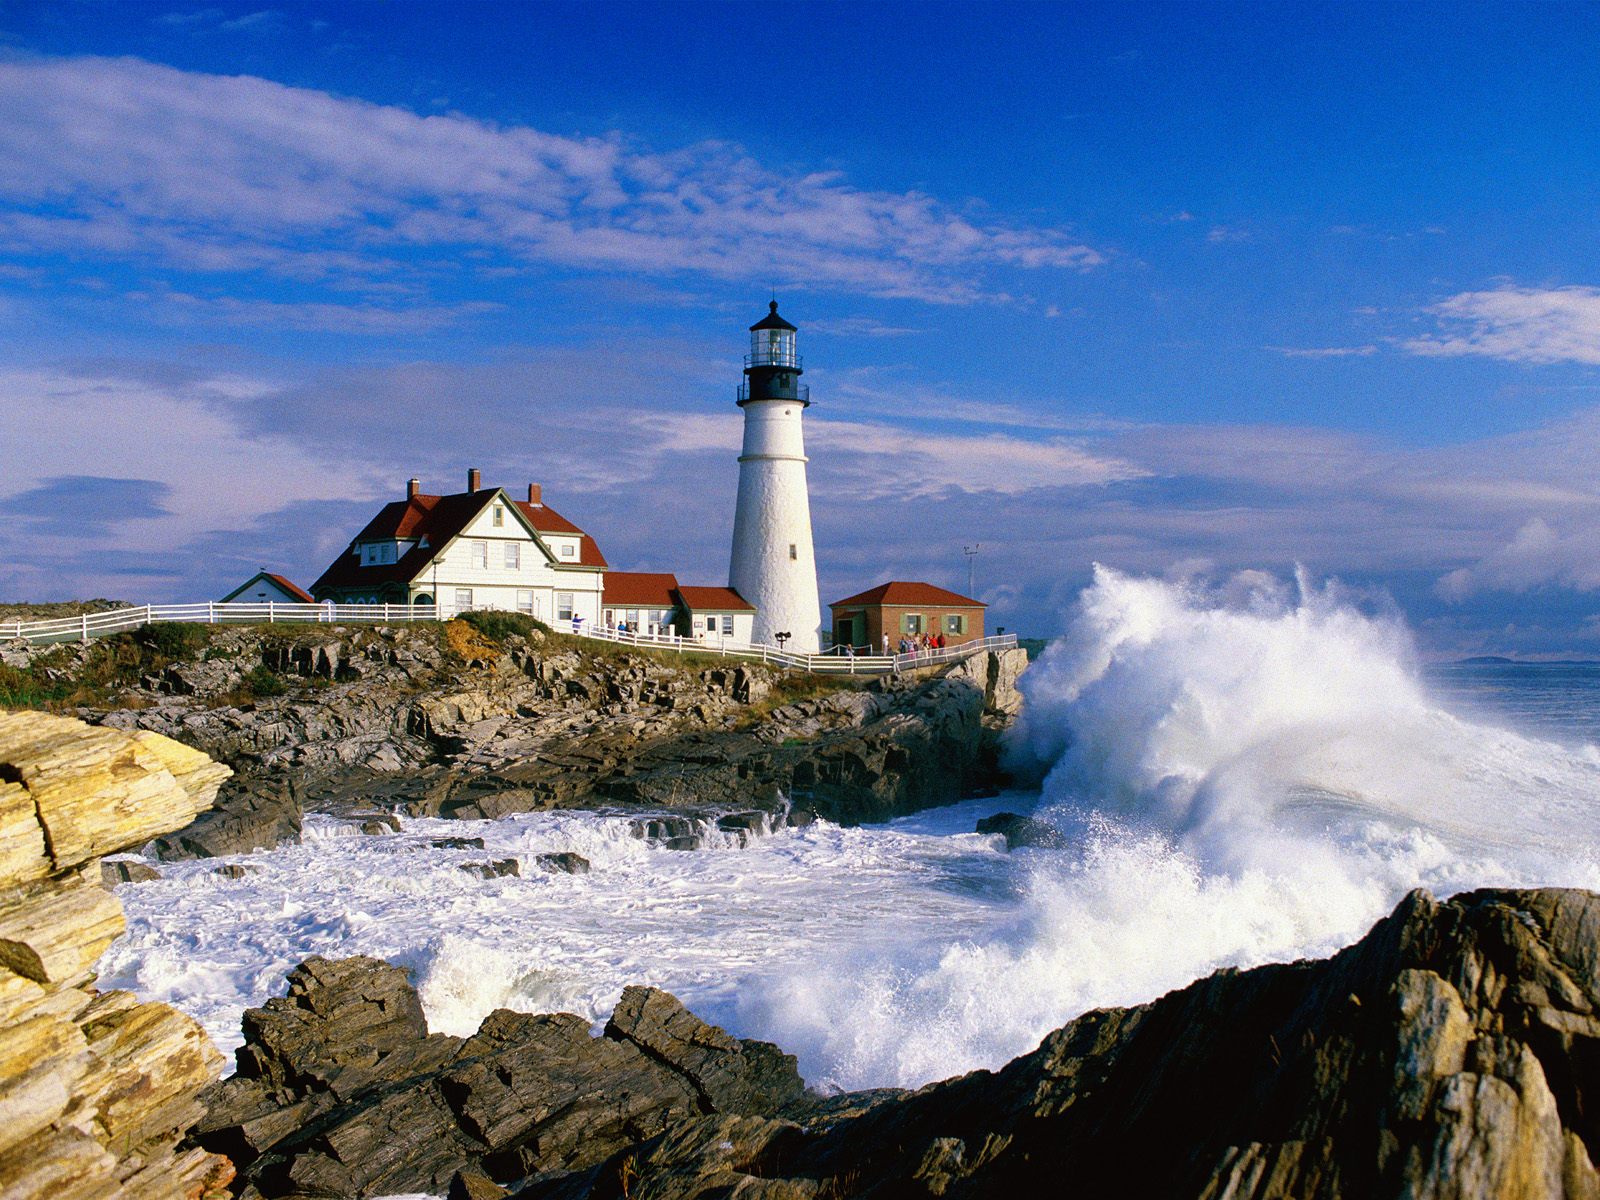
x=1536, y=556
x=1535, y=325
x=125, y=157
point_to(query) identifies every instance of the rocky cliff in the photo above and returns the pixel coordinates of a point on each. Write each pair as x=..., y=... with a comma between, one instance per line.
x=95, y=1088
x=444, y=721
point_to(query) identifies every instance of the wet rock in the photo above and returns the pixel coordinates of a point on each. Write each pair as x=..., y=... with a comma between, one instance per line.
x=495, y=869
x=123, y=871
x=565, y=861
x=378, y=824
x=1023, y=831
x=342, y=1092
x=252, y=815
x=234, y=871
x=457, y=843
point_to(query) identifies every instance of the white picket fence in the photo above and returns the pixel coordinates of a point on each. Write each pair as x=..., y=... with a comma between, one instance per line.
x=117, y=620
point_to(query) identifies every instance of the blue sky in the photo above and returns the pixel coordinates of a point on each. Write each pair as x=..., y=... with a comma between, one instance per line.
x=1186, y=289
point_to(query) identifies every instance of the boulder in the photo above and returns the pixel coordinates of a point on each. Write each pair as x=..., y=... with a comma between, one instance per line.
x=565, y=862
x=495, y=869
x=257, y=814
x=124, y=871
x=1023, y=831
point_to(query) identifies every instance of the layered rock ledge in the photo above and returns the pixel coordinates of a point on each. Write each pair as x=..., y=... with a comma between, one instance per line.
x=96, y=1088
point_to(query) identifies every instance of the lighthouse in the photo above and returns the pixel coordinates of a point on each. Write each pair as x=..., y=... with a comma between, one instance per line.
x=772, y=565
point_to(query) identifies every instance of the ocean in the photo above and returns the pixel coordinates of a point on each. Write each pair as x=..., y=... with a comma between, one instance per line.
x=1243, y=776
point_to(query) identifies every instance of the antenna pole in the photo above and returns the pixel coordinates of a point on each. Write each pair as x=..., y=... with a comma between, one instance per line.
x=972, y=555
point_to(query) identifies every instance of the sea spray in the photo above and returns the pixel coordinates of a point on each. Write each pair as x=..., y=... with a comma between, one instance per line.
x=1247, y=774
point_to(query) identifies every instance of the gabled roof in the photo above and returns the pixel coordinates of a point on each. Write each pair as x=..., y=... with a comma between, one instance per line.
x=639, y=589
x=279, y=581
x=713, y=599
x=898, y=592
x=438, y=519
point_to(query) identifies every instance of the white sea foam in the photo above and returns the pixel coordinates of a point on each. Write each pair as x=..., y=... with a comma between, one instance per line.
x=1245, y=775
x=1244, y=778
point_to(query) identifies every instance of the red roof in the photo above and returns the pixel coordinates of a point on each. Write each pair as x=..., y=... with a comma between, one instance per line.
x=439, y=518
x=639, y=589
x=714, y=599
x=293, y=589
x=897, y=592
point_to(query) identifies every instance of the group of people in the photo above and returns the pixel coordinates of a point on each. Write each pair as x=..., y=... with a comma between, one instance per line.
x=917, y=643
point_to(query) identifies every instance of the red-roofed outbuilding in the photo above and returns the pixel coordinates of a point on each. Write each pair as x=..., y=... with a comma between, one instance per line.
x=901, y=609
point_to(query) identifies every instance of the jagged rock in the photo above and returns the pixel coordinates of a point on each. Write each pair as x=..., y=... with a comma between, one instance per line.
x=474, y=1185
x=258, y=814
x=123, y=871
x=565, y=861
x=96, y=1088
x=1452, y=1054
x=495, y=869
x=341, y=1091
x=1023, y=831
x=728, y=1075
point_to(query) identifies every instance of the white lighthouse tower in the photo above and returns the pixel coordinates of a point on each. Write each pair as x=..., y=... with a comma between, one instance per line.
x=773, y=566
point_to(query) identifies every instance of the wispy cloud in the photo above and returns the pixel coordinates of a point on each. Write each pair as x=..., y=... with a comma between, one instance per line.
x=125, y=157
x=1517, y=324
x=1324, y=351
x=860, y=327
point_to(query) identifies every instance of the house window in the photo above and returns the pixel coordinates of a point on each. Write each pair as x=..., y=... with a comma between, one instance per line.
x=911, y=623
x=794, y=551
x=463, y=598
x=513, y=556
x=611, y=616
x=480, y=555
x=955, y=624
x=711, y=624
x=563, y=606
x=568, y=550
x=727, y=625
x=499, y=516
x=525, y=601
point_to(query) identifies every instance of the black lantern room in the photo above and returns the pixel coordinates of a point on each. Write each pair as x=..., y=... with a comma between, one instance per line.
x=772, y=369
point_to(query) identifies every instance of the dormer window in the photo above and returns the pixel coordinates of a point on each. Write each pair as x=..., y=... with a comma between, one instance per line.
x=568, y=550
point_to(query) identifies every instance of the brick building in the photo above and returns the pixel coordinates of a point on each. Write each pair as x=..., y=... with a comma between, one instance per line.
x=903, y=609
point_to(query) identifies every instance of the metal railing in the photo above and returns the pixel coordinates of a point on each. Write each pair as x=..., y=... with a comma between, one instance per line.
x=801, y=392
x=119, y=620
x=775, y=356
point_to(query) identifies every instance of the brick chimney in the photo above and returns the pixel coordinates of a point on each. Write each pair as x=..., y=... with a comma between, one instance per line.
x=474, y=479
x=413, y=487
x=535, y=494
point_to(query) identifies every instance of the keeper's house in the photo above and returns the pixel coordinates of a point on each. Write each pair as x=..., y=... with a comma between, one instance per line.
x=266, y=588
x=474, y=549
x=903, y=609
